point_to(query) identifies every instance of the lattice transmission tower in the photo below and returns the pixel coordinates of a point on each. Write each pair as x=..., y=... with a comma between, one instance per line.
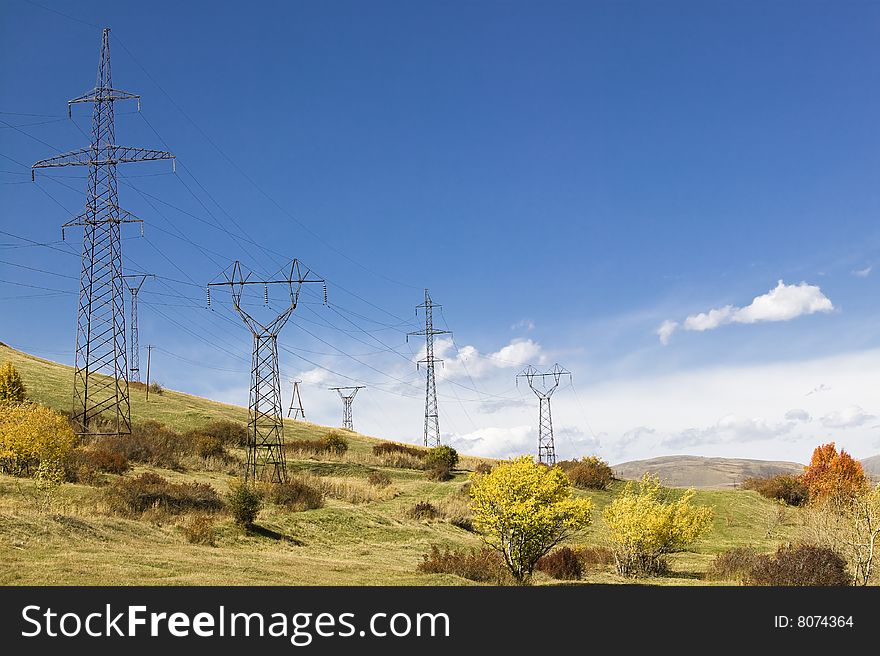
x=296, y=404
x=100, y=386
x=432, y=419
x=543, y=385
x=347, y=395
x=134, y=282
x=265, y=452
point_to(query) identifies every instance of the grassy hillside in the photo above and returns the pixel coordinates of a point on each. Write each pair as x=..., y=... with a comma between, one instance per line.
x=699, y=472
x=372, y=541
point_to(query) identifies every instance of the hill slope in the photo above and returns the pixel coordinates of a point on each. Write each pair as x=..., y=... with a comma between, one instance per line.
x=699, y=472
x=361, y=535
x=872, y=466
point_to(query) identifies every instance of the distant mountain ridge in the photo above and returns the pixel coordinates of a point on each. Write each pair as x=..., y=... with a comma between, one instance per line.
x=701, y=472
x=872, y=466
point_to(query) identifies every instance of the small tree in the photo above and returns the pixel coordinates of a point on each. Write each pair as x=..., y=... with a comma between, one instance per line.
x=523, y=510
x=12, y=388
x=850, y=525
x=33, y=435
x=832, y=474
x=645, y=527
x=591, y=473
x=244, y=502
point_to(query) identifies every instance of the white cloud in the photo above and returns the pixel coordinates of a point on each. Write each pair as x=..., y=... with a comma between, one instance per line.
x=850, y=417
x=497, y=442
x=469, y=361
x=730, y=428
x=862, y=273
x=782, y=303
x=665, y=331
x=798, y=415
x=822, y=387
x=316, y=376
x=524, y=324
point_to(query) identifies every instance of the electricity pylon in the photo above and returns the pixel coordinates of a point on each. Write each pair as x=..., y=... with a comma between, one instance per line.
x=543, y=385
x=346, y=403
x=134, y=365
x=432, y=420
x=265, y=452
x=100, y=383
x=296, y=404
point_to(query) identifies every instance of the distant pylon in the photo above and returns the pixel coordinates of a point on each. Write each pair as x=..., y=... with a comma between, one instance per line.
x=346, y=403
x=265, y=453
x=100, y=382
x=134, y=365
x=296, y=404
x=432, y=419
x=544, y=390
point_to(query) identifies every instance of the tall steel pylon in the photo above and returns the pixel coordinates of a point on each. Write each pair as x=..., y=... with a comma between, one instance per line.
x=100, y=383
x=543, y=385
x=265, y=453
x=432, y=420
x=134, y=364
x=346, y=403
x=296, y=404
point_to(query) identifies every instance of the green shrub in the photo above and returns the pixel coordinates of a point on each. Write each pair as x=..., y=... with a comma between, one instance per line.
x=484, y=565
x=12, y=389
x=803, y=564
x=296, y=495
x=733, y=565
x=156, y=388
x=244, y=502
x=590, y=473
x=379, y=479
x=134, y=496
x=439, y=473
x=789, y=489
x=441, y=456
x=562, y=564
x=335, y=443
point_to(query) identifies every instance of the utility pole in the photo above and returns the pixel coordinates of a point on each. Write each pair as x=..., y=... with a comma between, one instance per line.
x=100, y=383
x=134, y=287
x=296, y=404
x=265, y=453
x=432, y=419
x=149, y=353
x=543, y=385
x=346, y=403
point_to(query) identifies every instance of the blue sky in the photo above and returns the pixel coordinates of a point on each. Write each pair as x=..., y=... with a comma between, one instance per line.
x=564, y=177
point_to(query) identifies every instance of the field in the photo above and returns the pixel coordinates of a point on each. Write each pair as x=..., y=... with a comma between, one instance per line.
x=371, y=541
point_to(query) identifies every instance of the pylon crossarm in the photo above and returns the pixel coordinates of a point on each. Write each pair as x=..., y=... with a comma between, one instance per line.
x=102, y=156
x=105, y=94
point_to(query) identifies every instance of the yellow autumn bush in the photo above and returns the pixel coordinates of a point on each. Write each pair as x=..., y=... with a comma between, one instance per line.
x=32, y=436
x=645, y=526
x=523, y=509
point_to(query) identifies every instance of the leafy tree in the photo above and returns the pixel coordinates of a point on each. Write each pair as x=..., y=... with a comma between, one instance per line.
x=441, y=456
x=833, y=474
x=850, y=525
x=523, y=510
x=590, y=472
x=12, y=388
x=646, y=527
x=32, y=435
x=244, y=502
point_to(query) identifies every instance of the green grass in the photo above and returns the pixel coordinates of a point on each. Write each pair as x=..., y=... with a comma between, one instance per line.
x=343, y=543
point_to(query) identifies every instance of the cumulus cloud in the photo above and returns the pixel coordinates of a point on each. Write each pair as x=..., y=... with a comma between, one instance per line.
x=496, y=442
x=862, y=273
x=468, y=360
x=782, y=303
x=849, y=417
